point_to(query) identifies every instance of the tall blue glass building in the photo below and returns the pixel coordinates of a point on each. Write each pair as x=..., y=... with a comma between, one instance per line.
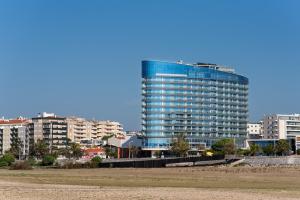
x=206, y=102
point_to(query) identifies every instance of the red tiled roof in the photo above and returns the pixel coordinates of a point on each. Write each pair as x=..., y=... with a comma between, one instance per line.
x=13, y=121
x=94, y=150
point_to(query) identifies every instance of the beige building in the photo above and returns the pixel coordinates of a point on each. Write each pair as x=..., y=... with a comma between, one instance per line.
x=50, y=128
x=106, y=128
x=81, y=129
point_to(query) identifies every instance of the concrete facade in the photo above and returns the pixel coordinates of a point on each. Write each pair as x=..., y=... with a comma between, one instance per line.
x=11, y=129
x=255, y=130
x=80, y=129
x=280, y=126
x=50, y=128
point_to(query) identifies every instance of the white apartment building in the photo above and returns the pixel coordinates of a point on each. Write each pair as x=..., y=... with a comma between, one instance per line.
x=14, y=128
x=280, y=126
x=255, y=130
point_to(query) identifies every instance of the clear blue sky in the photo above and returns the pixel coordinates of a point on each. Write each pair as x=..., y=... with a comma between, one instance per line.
x=83, y=57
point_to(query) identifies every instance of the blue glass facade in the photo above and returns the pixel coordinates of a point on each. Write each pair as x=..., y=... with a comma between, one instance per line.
x=205, y=101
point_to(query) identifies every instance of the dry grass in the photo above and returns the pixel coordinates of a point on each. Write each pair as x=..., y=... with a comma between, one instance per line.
x=205, y=177
x=283, y=181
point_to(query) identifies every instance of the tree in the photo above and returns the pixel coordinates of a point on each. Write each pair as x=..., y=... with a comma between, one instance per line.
x=254, y=149
x=7, y=158
x=133, y=151
x=76, y=151
x=96, y=161
x=40, y=149
x=16, y=147
x=282, y=147
x=48, y=160
x=180, y=146
x=269, y=150
x=72, y=150
x=224, y=146
x=110, y=152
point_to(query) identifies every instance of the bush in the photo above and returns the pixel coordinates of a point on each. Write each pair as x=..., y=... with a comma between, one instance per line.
x=71, y=165
x=48, y=160
x=298, y=151
x=21, y=165
x=95, y=162
x=3, y=163
x=8, y=158
x=97, y=159
x=32, y=161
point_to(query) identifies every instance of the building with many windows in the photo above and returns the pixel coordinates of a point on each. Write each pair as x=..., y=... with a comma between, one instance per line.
x=255, y=130
x=90, y=132
x=280, y=126
x=49, y=128
x=13, y=129
x=207, y=102
x=79, y=129
x=106, y=128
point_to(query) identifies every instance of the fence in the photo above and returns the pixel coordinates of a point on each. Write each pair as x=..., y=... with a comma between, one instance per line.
x=155, y=163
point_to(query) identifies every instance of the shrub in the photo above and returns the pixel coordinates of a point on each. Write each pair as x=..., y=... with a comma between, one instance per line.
x=8, y=158
x=32, y=161
x=224, y=147
x=95, y=161
x=21, y=165
x=3, y=163
x=48, y=160
x=71, y=165
x=298, y=151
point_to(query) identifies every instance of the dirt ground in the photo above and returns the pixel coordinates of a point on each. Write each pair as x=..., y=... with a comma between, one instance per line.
x=176, y=183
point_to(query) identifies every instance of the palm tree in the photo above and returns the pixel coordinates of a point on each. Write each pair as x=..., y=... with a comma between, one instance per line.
x=40, y=149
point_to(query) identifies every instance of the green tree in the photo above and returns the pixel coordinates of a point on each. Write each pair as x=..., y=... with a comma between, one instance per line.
x=72, y=150
x=7, y=158
x=110, y=152
x=40, y=149
x=76, y=151
x=243, y=152
x=254, y=149
x=96, y=161
x=16, y=147
x=224, y=146
x=268, y=150
x=157, y=154
x=180, y=146
x=282, y=147
x=48, y=160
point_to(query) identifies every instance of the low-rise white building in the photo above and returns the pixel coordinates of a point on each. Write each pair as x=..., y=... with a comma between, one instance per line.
x=255, y=130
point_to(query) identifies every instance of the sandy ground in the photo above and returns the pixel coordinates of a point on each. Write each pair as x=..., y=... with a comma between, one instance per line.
x=29, y=191
x=207, y=183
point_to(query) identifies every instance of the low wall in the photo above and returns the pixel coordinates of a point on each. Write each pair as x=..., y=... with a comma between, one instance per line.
x=154, y=163
x=272, y=161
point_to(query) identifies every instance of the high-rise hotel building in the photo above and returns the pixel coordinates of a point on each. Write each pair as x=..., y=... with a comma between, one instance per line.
x=206, y=102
